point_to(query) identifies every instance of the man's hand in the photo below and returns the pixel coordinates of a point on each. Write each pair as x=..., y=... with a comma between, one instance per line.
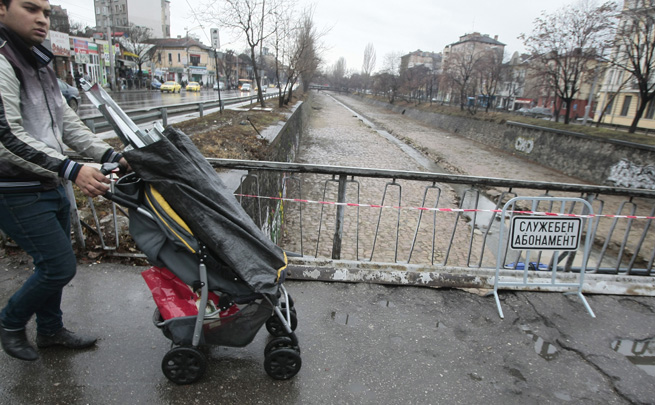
x=91, y=181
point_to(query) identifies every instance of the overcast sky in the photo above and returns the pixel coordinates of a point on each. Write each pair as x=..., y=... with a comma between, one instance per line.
x=391, y=25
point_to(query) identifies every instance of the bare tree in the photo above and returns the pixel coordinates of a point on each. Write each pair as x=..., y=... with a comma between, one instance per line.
x=490, y=75
x=296, y=45
x=248, y=18
x=338, y=73
x=369, y=64
x=566, y=46
x=634, y=51
x=307, y=42
x=389, y=80
x=460, y=68
x=136, y=42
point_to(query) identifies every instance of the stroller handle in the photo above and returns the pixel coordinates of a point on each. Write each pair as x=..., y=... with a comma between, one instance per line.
x=125, y=203
x=119, y=200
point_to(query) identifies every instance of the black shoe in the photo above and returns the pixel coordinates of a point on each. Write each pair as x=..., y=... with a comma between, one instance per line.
x=15, y=344
x=65, y=338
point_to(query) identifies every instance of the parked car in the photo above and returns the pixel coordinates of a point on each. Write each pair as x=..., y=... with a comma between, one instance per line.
x=219, y=84
x=245, y=87
x=171, y=87
x=536, y=112
x=155, y=84
x=71, y=94
x=540, y=112
x=193, y=86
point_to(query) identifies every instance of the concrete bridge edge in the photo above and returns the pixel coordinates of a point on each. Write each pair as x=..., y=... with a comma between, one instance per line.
x=480, y=280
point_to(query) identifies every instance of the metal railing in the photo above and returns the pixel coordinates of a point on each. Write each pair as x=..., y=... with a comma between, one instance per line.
x=431, y=219
x=98, y=123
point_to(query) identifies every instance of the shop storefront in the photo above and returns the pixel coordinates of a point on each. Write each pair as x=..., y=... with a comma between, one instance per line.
x=60, y=47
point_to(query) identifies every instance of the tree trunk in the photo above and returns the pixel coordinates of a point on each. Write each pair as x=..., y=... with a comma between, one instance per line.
x=640, y=113
x=567, y=114
x=260, y=96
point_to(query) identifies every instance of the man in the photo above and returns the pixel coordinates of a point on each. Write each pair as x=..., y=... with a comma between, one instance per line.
x=35, y=124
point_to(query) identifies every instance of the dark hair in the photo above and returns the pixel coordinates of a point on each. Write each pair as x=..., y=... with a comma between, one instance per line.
x=6, y=3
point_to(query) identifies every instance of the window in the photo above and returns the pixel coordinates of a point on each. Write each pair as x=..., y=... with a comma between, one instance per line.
x=178, y=58
x=650, y=112
x=626, y=105
x=159, y=57
x=170, y=57
x=610, y=106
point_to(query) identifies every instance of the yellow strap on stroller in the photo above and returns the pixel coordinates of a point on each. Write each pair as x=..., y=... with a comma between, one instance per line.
x=281, y=269
x=168, y=210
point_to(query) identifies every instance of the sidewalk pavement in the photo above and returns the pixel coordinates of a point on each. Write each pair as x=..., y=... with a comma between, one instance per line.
x=361, y=344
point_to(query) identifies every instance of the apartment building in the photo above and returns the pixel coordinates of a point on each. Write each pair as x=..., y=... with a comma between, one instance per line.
x=618, y=96
x=461, y=60
x=431, y=60
x=183, y=59
x=119, y=14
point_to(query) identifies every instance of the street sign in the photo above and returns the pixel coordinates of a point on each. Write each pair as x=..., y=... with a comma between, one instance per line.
x=545, y=233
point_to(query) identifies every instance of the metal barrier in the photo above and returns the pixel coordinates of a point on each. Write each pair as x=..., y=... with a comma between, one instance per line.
x=98, y=123
x=465, y=216
x=379, y=216
x=553, y=235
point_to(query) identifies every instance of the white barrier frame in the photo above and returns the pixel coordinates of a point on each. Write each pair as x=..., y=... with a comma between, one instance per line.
x=502, y=245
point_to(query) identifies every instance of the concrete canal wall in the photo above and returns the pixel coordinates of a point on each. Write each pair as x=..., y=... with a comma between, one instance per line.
x=284, y=143
x=605, y=162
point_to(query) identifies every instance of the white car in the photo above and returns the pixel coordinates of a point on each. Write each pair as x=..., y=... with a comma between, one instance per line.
x=245, y=87
x=220, y=85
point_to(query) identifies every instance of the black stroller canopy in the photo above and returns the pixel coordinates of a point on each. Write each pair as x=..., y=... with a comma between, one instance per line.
x=177, y=170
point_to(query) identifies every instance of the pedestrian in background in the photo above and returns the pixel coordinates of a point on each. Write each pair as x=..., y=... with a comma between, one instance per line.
x=35, y=124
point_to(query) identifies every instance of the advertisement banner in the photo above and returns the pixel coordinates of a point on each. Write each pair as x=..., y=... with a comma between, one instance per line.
x=80, y=46
x=60, y=43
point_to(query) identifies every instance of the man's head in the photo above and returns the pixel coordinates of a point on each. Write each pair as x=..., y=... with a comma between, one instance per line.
x=29, y=19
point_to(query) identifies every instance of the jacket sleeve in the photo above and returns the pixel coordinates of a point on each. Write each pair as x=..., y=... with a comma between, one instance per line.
x=78, y=136
x=23, y=150
x=16, y=145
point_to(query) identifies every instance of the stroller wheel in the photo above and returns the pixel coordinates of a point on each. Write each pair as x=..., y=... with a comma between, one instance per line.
x=280, y=343
x=184, y=365
x=275, y=327
x=282, y=364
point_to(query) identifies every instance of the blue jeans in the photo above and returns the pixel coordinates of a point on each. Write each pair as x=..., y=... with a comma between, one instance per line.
x=40, y=224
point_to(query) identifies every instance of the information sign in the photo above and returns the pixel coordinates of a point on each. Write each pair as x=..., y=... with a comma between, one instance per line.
x=545, y=233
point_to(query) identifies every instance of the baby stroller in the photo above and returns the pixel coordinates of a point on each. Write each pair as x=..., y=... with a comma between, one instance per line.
x=217, y=279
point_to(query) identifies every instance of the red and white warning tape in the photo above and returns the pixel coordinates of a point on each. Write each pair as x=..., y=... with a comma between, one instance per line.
x=554, y=214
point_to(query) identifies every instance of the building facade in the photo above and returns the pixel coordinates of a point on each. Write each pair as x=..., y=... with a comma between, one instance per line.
x=120, y=14
x=183, y=60
x=618, y=94
x=463, y=62
x=431, y=60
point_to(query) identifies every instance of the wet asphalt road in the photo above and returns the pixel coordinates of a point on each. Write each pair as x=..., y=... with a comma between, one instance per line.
x=361, y=344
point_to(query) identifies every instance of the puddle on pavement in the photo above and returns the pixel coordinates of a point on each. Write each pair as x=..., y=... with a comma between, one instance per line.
x=546, y=350
x=641, y=353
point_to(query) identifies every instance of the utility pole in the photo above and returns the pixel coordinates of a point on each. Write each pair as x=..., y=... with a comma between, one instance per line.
x=112, y=72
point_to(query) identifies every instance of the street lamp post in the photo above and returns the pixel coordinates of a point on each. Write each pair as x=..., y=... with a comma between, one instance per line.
x=112, y=72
